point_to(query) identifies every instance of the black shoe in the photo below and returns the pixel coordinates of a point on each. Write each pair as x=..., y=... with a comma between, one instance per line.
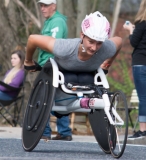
x=45, y=138
x=137, y=135
x=63, y=138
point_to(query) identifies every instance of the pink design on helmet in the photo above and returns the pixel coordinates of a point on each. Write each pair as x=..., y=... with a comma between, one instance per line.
x=87, y=23
x=107, y=29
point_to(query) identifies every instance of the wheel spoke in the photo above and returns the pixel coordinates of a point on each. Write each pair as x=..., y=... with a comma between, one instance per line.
x=118, y=139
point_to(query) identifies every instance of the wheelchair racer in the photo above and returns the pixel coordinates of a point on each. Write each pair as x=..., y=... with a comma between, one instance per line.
x=92, y=50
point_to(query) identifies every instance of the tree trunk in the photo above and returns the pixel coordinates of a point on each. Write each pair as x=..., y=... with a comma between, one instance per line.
x=104, y=8
x=8, y=39
x=60, y=6
x=71, y=18
x=82, y=11
x=116, y=16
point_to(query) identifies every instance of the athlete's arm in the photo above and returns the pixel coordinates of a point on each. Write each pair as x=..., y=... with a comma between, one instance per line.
x=44, y=42
x=118, y=43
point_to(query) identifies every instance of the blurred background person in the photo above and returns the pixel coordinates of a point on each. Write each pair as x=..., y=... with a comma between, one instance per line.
x=137, y=37
x=54, y=26
x=13, y=77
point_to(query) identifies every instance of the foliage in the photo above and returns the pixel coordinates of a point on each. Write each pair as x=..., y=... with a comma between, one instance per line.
x=120, y=79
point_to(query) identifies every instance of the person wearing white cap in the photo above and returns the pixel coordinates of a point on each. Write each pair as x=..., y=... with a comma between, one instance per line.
x=47, y=2
x=54, y=26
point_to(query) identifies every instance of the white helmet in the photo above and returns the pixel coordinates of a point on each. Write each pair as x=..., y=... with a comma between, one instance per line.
x=96, y=26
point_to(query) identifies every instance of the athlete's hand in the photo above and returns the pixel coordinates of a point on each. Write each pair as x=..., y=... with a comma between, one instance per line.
x=32, y=66
x=106, y=64
x=29, y=65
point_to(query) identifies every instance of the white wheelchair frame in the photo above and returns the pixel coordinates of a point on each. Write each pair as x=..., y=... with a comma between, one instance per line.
x=96, y=103
x=104, y=108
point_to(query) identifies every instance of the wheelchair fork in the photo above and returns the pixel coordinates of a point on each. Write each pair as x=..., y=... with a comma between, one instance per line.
x=107, y=109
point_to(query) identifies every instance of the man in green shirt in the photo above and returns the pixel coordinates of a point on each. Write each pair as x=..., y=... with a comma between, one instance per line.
x=55, y=26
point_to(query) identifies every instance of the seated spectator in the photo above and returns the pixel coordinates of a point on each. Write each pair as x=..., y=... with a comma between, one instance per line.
x=13, y=77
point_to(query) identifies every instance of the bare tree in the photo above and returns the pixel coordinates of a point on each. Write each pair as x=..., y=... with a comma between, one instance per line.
x=82, y=10
x=35, y=19
x=60, y=6
x=94, y=6
x=8, y=38
x=116, y=16
x=71, y=16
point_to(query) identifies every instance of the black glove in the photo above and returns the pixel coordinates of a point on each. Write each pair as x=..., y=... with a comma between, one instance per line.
x=35, y=67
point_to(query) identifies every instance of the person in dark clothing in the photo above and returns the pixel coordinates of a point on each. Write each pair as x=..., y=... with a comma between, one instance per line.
x=137, y=39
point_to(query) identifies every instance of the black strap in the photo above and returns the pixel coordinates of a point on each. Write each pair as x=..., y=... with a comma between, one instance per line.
x=58, y=115
x=105, y=71
x=35, y=67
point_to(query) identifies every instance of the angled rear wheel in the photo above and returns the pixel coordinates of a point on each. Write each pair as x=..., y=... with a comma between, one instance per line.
x=99, y=125
x=118, y=134
x=38, y=108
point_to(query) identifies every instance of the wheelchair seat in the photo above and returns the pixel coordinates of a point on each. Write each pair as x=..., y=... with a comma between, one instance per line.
x=80, y=78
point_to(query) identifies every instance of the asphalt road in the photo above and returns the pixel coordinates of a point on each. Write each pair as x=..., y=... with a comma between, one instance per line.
x=11, y=149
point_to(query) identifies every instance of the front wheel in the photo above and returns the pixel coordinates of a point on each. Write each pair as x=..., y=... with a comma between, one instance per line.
x=117, y=135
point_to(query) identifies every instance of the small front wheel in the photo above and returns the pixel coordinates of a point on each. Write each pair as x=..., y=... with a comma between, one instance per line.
x=117, y=134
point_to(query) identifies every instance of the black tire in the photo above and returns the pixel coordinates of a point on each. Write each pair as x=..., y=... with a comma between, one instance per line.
x=38, y=108
x=118, y=133
x=99, y=125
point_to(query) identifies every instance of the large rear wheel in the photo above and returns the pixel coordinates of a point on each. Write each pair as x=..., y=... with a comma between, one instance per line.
x=99, y=125
x=118, y=133
x=38, y=108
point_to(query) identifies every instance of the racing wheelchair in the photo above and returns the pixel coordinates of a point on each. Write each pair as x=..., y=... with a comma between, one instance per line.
x=63, y=93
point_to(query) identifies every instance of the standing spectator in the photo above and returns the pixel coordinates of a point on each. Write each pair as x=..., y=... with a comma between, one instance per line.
x=14, y=77
x=138, y=41
x=54, y=26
